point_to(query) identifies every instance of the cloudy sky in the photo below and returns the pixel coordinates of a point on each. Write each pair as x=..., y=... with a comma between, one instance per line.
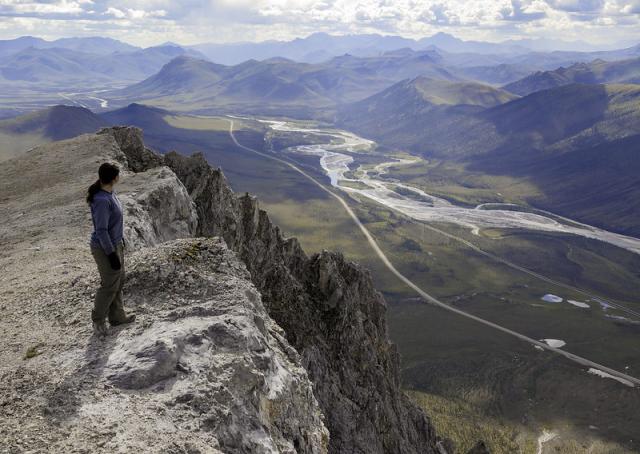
x=148, y=22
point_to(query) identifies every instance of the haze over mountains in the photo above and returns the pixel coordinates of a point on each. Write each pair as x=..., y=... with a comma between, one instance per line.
x=439, y=96
x=29, y=60
x=595, y=72
x=90, y=62
x=95, y=45
x=319, y=47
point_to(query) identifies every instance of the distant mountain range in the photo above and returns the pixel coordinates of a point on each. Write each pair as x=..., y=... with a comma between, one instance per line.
x=502, y=69
x=283, y=86
x=495, y=63
x=71, y=63
x=278, y=85
x=320, y=47
x=315, y=48
x=82, y=62
x=95, y=45
x=499, y=74
x=595, y=72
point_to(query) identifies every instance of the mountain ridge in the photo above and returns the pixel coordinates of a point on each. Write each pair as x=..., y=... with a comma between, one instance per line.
x=100, y=45
x=595, y=72
x=276, y=85
x=58, y=66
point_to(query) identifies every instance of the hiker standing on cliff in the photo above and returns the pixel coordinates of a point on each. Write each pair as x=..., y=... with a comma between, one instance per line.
x=107, y=248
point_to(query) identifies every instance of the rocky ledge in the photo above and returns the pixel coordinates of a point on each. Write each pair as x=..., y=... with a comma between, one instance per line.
x=243, y=343
x=207, y=353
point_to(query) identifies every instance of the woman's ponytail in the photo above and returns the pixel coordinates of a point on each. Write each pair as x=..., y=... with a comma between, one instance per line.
x=107, y=173
x=92, y=191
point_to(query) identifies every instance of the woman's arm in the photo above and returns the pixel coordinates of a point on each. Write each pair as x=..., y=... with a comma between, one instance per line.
x=101, y=213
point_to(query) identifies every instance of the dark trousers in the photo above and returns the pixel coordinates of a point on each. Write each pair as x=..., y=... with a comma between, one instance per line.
x=108, y=302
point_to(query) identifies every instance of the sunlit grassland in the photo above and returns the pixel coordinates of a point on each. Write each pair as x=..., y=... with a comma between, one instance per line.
x=201, y=123
x=354, y=185
x=451, y=181
x=319, y=223
x=195, y=103
x=465, y=423
x=604, y=269
x=181, y=104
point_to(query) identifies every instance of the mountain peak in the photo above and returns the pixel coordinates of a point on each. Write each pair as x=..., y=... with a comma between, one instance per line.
x=318, y=35
x=443, y=35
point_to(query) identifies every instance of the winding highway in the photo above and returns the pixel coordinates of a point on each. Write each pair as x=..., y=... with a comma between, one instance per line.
x=622, y=377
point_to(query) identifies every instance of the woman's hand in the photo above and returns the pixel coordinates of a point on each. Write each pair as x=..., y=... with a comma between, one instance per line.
x=114, y=260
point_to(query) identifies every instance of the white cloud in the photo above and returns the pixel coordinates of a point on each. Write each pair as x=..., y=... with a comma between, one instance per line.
x=577, y=5
x=621, y=7
x=189, y=21
x=54, y=7
x=133, y=14
x=115, y=12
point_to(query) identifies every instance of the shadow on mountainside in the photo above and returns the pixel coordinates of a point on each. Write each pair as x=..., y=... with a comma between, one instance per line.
x=551, y=115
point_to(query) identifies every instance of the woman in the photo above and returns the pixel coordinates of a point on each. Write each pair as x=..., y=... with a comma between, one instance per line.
x=107, y=248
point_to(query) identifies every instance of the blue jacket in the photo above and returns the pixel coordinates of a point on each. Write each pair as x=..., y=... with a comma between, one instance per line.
x=108, y=225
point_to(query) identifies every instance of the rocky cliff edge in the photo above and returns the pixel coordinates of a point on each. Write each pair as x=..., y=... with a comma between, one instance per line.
x=243, y=343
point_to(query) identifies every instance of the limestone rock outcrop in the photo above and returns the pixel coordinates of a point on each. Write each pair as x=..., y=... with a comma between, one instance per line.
x=208, y=353
x=158, y=209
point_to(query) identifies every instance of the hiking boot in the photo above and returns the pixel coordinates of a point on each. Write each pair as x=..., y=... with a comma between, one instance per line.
x=100, y=329
x=128, y=319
